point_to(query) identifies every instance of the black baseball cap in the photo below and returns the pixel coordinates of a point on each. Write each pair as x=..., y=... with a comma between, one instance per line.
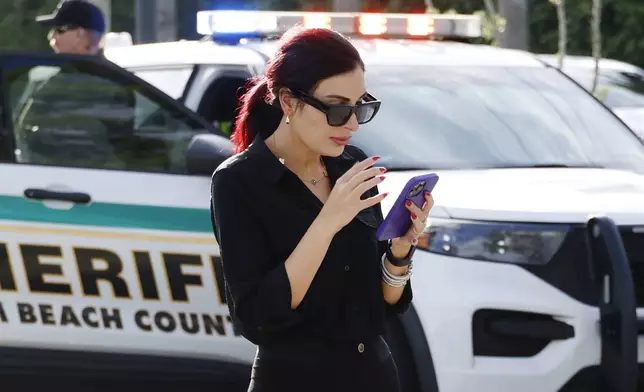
x=79, y=13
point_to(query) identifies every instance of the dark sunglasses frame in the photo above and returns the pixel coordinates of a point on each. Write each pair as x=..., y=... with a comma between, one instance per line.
x=61, y=29
x=329, y=108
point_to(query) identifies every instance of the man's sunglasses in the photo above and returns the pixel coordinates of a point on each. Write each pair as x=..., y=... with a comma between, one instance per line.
x=339, y=114
x=61, y=29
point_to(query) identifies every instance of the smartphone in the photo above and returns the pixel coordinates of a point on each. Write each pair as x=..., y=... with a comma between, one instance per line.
x=398, y=220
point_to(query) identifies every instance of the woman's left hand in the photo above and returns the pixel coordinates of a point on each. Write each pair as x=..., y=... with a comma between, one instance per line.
x=400, y=246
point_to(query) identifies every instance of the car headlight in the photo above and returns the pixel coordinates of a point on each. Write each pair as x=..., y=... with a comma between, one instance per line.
x=519, y=243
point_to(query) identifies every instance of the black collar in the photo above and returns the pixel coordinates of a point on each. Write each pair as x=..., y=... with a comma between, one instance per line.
x=272, y=170
x=269, y=168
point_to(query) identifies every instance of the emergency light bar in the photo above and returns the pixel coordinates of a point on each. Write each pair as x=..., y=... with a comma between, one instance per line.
x=274, y=23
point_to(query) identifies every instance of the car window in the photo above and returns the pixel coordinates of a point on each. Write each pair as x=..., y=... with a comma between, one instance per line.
x=171, y=80
x=81, y=114
x=473, y=117
x=616, y=89
x=220, y=101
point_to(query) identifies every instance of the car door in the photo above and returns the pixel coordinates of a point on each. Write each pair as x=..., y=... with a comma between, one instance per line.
x=106, y=242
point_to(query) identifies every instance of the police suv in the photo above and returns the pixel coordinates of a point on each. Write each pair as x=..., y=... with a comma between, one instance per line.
x=529, y=277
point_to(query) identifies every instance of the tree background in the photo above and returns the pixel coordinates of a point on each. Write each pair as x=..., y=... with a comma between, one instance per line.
x=622, y=26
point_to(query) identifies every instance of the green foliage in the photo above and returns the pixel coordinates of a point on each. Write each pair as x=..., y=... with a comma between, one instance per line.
x=18, y=29
x=621, y=28
x=123, y=15
x=280, y=5
x=488, y=27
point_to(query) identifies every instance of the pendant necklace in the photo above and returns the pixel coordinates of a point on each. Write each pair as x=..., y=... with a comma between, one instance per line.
x=314, y=181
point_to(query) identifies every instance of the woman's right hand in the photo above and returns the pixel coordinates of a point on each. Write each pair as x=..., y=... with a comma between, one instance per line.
x=345, y=201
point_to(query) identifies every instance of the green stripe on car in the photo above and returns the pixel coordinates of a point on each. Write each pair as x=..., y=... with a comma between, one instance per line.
x=129, y=216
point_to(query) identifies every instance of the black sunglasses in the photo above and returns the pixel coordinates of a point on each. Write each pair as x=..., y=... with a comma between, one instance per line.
x=339, y=114
x=61, y=29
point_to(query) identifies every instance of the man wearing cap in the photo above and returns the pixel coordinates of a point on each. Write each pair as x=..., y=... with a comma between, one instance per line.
x=60, y=98
x=76, y=27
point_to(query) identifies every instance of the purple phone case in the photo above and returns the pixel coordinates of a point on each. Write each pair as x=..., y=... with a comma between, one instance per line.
x=398, y=220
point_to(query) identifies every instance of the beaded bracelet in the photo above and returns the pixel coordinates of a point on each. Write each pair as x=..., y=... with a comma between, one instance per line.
x=391, y=279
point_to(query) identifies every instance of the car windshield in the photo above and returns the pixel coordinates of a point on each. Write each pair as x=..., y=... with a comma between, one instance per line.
x=479, y=117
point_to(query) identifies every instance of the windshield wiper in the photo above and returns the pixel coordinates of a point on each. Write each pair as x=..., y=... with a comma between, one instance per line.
x=500, y=166
x=545, y=166
x=406, y=168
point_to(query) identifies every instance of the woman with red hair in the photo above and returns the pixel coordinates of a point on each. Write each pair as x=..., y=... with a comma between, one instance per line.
x=295, y=213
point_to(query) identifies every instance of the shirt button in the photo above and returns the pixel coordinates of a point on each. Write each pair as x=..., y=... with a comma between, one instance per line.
x=347, y=268
x=361, y=348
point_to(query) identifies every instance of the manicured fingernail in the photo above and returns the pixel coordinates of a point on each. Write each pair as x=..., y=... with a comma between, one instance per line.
x=413, y=216
x=414, y=241
x=382, y=169
x=376, y=158
x=408, y=203
x=385, y=194
x=382, y=178
x=427, y=193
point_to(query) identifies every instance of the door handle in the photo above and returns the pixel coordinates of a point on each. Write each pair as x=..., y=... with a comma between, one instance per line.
x=44, y=194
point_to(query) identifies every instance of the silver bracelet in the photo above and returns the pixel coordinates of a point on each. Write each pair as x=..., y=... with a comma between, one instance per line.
x=391, y=279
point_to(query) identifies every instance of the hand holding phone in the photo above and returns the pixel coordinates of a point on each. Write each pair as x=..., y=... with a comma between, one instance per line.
x=398, y=221
x=345, y=202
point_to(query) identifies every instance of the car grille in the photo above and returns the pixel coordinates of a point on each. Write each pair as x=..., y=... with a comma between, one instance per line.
x=633, y=238
x=570, y=271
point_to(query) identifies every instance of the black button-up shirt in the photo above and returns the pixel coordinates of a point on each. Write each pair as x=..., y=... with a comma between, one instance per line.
x=260, y=210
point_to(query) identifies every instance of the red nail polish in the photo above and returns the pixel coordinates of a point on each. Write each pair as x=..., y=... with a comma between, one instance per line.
x=382, y=178
x=385, y=194
x=382, y=170
x=408, y=203
x=413, y=216
x=376, y=158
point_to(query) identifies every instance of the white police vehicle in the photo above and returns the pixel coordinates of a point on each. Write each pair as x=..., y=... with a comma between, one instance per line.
x=108, y=266
x=620, y=85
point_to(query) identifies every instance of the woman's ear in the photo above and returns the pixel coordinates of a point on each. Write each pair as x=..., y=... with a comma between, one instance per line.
x=287, y=101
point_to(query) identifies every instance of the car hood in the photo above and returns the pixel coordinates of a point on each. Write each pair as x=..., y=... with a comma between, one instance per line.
x=531, y=195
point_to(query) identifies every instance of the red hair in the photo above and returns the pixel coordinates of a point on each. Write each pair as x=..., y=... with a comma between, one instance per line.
x=302, y=60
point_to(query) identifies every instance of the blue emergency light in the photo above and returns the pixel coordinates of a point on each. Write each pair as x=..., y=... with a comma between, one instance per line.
x=274, y=23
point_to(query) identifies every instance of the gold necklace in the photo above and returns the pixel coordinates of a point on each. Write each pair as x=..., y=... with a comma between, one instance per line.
x=313, y=181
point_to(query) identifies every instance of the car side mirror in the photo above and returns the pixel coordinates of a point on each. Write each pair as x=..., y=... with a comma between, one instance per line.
x=206, y=152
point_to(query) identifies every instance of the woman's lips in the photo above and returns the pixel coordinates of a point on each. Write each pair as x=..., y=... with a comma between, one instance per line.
x=341, y=141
